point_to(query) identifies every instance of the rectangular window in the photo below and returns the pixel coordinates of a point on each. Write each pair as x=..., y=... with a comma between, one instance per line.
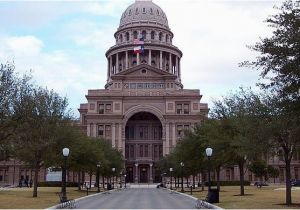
x=186, y=109
x=179, y=108
x=107, y=131
x=100, y=130
x=186, y=127
x=146, y=151
x=131, y=151
x=179, y=131
x=1, y=178
x=131, y=132
x=160, y=151
x=155, y=132
x=126, y=151
x=141, y=151
x=107, y=108
x=101, y=108
x=141, y=133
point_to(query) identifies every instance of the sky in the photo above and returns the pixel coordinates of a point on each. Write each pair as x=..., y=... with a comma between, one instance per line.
x=63, y=43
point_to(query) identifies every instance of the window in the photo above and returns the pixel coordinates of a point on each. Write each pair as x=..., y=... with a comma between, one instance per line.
x=186, y=109
x=160, y=151
x=107, y=131
x=152, y=34
x=136, y=11
x=186, y=127
x=141, y=150
x=146, y=151
x=135, y=34
x=144, y=33
x=151, y=11
x=129, y=12
x=1, y=178
x=129, y=132
x=132, y=151
x=101, y=130
x=126, y=151
x=107, y=108
x=167, y=38
x=179, y=108
x=101, y=108
x=121, y=38
x=160, y=36
x=179, y=131
x=127, y=36
x=144, y=10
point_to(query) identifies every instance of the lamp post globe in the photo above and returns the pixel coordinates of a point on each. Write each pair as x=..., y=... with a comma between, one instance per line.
x=98, y=176
x=171, y=170
x=182, y=165
x=209, y=152
x=65, y=152
x=125, y=180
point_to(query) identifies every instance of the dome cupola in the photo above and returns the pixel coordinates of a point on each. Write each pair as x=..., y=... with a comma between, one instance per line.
x=144, y=12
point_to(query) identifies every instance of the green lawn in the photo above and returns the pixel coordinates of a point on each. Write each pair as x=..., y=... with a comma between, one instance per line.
x=21, y=198
x=256, y=198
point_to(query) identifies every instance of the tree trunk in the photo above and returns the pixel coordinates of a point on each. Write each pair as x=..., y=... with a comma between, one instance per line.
x=35, y=181
x=193, y=181
x=103, y=184
x=288, y=193
x=202, y=181
x=90, y=186
x=78, y=180
x=218, y=178
x=82, y=177
x=241, y=168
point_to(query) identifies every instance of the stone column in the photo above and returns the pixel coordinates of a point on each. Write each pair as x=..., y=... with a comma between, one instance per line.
x=110, y=64
x=170, y=63
x=117, y=63
x=108, y=71
x=151, y=173
x=167, y=138
x=136, y=179
x=174, y=134
x=95, y=130
x=126, y=60
x=176, y=66
x=138, y=59
x=88, y=130
x=149, y=59
x=160, y=60
x=120, y=138
x=113, y=135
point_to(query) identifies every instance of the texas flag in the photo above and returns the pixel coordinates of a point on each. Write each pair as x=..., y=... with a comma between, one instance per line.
x=138, y=49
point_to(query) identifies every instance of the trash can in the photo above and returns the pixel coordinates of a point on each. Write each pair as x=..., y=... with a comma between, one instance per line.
x=213, y=195
x=108, y=186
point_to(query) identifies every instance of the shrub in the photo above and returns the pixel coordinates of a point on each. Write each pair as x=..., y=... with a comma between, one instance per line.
x=56, y=184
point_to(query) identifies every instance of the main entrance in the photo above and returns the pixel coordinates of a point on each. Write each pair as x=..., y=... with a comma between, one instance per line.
x=143, y=146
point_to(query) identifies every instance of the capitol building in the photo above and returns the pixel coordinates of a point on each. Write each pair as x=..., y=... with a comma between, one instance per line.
x=143, y=109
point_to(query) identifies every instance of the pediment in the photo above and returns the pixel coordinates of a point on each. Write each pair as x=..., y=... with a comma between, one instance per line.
x=144, y=70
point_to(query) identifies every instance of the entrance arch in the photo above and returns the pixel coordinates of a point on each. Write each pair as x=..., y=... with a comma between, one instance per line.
x=143, y=145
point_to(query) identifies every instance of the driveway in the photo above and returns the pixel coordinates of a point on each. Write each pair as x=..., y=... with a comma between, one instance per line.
x=137, y=198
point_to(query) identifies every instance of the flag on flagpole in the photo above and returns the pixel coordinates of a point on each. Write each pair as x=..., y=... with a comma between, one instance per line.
x=140, y=48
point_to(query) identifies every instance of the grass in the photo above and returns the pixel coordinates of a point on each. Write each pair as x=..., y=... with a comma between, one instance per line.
x=21, y=198
x=256, y=198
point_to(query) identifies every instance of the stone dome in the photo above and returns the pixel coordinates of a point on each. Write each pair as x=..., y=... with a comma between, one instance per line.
x=144, y=12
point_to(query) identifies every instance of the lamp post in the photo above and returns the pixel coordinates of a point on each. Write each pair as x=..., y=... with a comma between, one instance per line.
x=97, y=177
x=208, y=154
x=125, y=180
x=182, y=165
x=66, y=152
x=171, y=170
x=113, y=170
x=121, y=174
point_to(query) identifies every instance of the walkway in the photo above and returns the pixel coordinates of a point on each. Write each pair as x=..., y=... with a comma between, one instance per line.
x=138, y=198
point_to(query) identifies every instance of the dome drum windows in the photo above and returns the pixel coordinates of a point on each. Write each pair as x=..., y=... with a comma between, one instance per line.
x=135, y=34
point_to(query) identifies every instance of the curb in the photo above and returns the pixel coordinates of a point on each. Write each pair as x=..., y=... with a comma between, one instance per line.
x=81, y=198
x=208, y=205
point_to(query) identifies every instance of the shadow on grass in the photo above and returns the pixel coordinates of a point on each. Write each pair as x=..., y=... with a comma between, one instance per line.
x=293, y=205
x=244, y=195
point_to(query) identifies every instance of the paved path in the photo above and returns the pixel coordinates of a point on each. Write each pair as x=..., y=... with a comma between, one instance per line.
x=138, y=198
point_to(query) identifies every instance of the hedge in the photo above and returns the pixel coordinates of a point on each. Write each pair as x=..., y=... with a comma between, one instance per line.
x=56, y=184
x=229, y=183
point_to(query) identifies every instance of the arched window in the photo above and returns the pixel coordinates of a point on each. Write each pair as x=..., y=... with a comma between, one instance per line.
x=127, y=36
x=144, y=10
x=144, y=61
x=135, y=34
x=144, y=34
x=157, y=12
x=167, y=38
x=160, y=36
x=130, y=12
x=152, y=34
x=121, y=38
x=151, y=11
x=136, y=11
